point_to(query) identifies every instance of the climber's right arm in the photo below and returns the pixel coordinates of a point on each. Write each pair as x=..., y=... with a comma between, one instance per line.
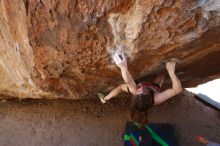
x=176, y=85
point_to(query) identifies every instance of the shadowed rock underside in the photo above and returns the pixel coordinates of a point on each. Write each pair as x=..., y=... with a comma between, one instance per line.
x=62, y=48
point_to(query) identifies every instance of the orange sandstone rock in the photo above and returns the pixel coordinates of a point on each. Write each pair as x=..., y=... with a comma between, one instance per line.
x=62, y=48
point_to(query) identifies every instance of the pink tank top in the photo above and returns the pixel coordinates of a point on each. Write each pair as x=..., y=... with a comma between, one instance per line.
x=150, y=85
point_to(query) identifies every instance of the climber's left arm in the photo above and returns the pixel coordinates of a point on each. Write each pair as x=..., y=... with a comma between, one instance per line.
x=121, y=62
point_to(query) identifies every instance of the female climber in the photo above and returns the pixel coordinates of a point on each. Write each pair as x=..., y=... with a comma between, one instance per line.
x=144, y=95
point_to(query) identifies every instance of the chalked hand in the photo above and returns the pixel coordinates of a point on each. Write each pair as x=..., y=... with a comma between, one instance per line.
x=171, y=67
x=120, y=60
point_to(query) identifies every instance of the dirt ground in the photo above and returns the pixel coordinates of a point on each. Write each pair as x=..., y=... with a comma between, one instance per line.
x=89, y=123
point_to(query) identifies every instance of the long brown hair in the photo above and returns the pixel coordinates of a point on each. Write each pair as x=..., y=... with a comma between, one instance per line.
x=140, y=105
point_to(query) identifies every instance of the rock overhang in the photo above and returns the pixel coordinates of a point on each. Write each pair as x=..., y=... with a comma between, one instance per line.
x=62, y=49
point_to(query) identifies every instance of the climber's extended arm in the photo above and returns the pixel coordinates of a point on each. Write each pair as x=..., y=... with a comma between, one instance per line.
x=120, y=60
x=176, y=85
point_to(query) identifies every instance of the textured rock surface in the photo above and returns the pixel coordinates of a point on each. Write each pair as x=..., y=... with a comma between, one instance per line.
x=62, y=48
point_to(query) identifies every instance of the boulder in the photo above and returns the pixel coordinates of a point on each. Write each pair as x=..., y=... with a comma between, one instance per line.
x=63, y=48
